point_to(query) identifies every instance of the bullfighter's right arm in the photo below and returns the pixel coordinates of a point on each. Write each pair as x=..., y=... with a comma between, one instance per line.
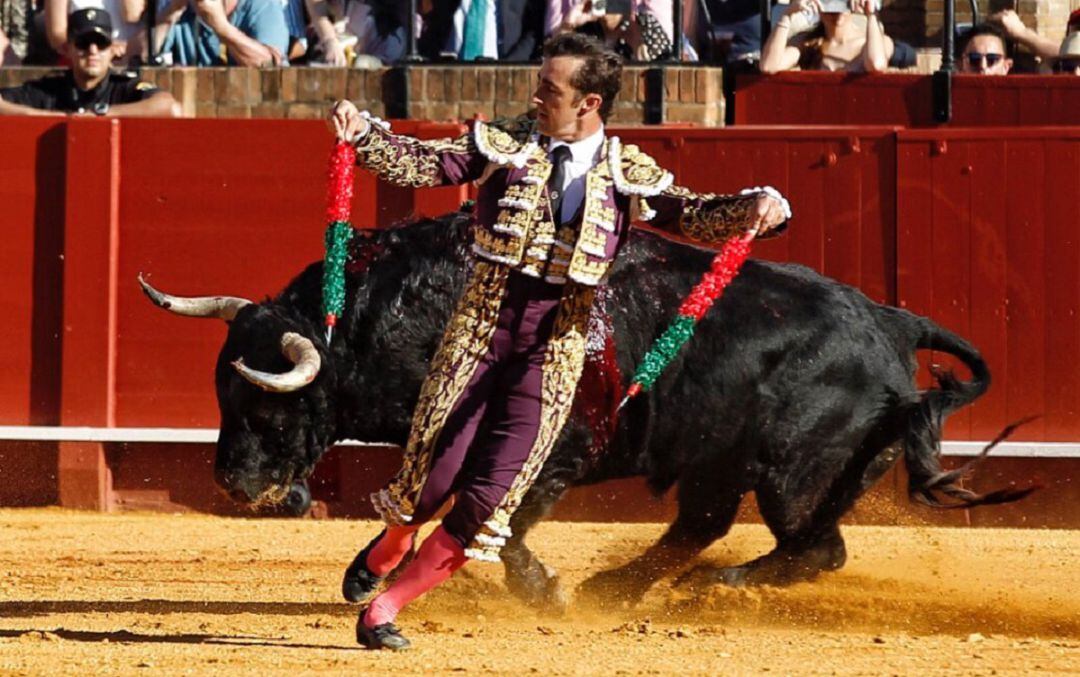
x=409, y=162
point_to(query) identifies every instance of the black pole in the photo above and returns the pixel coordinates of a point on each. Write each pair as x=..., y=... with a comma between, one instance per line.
x=948, y=58
x=941, y=81
x=766, y=24
x=411, y=53
x=676, y=29
x=152, y=59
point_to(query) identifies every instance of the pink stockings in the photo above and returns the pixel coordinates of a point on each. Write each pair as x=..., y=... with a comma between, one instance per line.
x=438, y=558
x=389, y=550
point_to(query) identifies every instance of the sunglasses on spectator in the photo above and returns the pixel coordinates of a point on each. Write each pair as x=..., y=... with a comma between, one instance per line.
x=83, y=42
x=975, y=59
x=1067, y=65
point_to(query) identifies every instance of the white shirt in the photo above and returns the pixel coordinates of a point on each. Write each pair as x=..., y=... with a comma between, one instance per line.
x=584, y=155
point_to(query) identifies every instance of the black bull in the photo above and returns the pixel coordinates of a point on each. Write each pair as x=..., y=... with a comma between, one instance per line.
x=795, y=387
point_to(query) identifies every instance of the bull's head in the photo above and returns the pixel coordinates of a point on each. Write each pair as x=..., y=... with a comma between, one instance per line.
x=275, y=409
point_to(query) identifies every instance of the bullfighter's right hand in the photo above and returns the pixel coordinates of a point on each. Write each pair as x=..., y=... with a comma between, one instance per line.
x=346, y=122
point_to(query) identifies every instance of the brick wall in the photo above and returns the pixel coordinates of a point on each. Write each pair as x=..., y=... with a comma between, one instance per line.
x=435, y=92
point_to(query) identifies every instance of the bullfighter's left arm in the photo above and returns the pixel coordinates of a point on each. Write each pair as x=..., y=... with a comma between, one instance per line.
x=709, y=218
x=705, y=218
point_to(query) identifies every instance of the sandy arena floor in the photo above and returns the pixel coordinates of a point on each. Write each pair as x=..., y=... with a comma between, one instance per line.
x=159, y=594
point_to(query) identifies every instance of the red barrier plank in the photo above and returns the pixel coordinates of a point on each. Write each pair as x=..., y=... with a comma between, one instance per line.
x=1060, y=197
x=31, y=268
x=989, y=297
x=91, y=256
x=819, y=98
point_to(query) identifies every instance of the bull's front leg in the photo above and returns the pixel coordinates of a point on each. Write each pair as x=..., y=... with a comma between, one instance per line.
x=528, y=578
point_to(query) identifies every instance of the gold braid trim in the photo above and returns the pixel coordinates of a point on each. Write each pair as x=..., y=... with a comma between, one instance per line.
x=463, y=345
x=711, y=218
x=563, y=360
x=405, y=161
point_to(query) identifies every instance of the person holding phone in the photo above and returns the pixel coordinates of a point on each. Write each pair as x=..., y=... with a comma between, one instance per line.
x=840, y=35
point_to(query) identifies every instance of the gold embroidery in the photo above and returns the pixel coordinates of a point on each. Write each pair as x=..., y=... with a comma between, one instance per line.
x=598, y=223
x=641, y=170
x=405, y=161
x=711, y=218
x=563, y=360
x=464, y=343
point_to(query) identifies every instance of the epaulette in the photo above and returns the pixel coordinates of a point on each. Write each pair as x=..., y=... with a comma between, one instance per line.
x=124, y=75
x=509, y=142
x=635, y=172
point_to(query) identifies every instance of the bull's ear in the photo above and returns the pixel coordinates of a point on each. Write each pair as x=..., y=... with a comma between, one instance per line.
x=220, y=307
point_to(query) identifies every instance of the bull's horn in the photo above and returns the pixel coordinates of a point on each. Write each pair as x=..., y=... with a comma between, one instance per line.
x=224, y=307
x=300, y=352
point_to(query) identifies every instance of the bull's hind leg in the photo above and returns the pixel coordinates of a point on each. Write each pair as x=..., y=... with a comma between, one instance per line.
x=802, y=507
x=528, y=578
x=707, y=508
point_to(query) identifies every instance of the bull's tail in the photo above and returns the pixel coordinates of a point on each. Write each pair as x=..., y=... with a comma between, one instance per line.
x=927, y=482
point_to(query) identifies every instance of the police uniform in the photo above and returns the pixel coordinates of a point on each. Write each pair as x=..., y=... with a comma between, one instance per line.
x=59, y=93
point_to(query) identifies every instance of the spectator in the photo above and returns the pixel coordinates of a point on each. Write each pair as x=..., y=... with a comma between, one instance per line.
x=370, y=28
x=509, y=30
x=841, y=41
x=253, y=32
x=984, y=51
x=127, y=24
x=1067, y=60
x=89, y=86
x=640, y=30
x=15, y=22
x=1015, y=30
x=730, y=30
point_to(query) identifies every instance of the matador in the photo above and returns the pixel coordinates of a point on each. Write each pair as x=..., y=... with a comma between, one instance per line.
x=555, y=202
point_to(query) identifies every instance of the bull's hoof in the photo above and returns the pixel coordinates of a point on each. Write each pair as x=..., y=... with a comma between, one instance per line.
x=541, y=591
x=701, y=578
x=611, y=590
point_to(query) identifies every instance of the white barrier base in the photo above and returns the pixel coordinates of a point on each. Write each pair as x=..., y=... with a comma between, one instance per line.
x=210, y=435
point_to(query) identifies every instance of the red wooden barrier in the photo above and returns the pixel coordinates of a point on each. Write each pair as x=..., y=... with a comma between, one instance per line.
x=815, y=98
x=989, y=245
x=977, y=228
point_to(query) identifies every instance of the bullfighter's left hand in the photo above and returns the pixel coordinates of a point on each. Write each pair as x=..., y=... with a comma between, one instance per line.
x=768, y=213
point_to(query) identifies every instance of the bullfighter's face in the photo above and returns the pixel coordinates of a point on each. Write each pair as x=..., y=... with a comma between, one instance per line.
x=561, y=109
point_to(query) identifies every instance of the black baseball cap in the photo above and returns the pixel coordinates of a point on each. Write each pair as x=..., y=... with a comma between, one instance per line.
x=92, y=20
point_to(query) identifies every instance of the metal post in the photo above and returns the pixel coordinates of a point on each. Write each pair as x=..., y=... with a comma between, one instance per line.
x=941, y=82
x=948, y=58
x=412, y=55
x=766, y=24
x=677, y=30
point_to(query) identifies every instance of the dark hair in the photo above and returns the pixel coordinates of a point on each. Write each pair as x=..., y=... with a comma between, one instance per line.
x=984, y=29
x=600, y=71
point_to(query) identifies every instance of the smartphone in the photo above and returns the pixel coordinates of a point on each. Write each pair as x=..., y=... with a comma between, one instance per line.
x=835, y=6
x=601, y=7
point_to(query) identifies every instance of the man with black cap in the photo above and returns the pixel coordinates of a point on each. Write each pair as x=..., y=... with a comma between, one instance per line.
x=90, y=87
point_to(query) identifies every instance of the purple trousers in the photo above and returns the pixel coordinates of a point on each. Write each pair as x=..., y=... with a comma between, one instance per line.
x=491, y=429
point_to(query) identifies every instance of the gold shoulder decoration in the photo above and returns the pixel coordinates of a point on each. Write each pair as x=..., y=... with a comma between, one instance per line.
x=634, y=172
x=505, y=144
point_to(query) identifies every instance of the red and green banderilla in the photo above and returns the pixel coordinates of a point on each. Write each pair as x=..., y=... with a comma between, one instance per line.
x=725, y=266
x=339, y=194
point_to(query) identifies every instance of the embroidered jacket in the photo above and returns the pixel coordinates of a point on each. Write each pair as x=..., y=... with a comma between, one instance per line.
x=513, y=222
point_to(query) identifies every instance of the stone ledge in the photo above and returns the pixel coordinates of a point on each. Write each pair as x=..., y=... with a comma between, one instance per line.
x=692, y=94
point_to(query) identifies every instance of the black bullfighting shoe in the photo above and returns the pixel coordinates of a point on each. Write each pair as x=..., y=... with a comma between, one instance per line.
x=359, y=584
x=384, y=636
